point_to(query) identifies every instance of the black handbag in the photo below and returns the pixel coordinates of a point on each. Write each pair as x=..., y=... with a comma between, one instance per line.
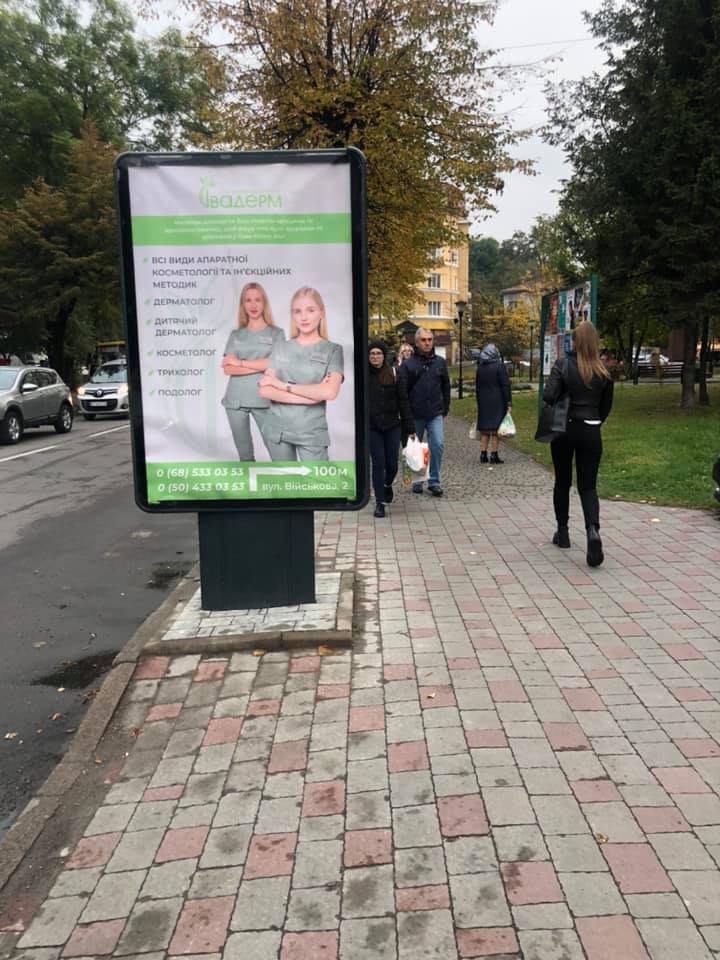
x=553, y=418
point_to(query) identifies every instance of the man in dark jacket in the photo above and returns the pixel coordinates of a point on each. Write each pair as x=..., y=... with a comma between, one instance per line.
x=423, y=379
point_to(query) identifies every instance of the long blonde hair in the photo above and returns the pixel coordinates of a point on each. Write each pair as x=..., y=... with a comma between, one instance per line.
x=314, y=295
x=587, y=349
x=242, y=320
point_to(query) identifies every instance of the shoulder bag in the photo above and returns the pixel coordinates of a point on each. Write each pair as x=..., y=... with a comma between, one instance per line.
x=553, y=418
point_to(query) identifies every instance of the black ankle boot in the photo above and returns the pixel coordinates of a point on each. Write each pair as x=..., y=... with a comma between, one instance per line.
x=483, y=456
x=379, y=510
x=561, y=538
x=595, y=555
x=494, y=458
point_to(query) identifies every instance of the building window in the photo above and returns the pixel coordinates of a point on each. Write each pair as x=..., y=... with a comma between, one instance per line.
x=453, y=256
x=434, y=281
x=433, y=308
x=438, y=253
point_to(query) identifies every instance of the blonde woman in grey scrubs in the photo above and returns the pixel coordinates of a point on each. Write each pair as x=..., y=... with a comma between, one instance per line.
x=244, y=362
x=302, y=375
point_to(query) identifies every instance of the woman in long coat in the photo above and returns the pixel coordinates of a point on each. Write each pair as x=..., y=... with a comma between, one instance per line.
x=492, y=393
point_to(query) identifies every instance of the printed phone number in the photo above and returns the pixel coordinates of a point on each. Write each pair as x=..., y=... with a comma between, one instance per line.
x=201, y=487
x=187, y=473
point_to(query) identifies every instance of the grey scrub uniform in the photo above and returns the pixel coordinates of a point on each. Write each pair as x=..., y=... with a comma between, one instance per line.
x=300, y=431
x=242, y=398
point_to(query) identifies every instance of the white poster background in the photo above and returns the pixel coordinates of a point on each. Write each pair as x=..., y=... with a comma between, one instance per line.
x=185, y=428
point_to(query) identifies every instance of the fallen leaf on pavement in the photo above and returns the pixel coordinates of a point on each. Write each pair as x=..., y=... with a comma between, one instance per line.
x=329, y=652
x=56, y=716
x=11, y=735
x=431, y=696
x=258, y=653
x=61, y=689
x=98, y=760
x=601, y=838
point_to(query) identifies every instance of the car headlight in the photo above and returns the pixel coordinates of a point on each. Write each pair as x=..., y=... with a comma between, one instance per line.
x=123, y=390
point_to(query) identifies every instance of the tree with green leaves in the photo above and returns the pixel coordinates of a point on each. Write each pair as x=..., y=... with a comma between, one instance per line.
x=644, y=142
x=405, y=81
x=62, y=65
x=58, y=259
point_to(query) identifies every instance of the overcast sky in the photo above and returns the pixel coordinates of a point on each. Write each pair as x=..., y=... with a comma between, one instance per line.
x=530, y=30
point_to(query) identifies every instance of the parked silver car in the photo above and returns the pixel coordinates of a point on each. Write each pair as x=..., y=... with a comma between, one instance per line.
x=106, y=392
x=32, y=397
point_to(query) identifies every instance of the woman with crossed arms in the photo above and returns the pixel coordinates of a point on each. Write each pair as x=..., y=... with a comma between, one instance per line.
x=303, y=374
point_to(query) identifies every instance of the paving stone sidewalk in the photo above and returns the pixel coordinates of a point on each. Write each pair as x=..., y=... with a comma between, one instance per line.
x=520, y=758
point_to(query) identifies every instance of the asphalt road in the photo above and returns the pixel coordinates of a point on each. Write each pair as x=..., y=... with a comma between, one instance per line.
x=81, y=567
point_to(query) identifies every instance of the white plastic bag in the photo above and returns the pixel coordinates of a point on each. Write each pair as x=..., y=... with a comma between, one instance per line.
x=507, y=427
x=417, y=457
x=473, y=434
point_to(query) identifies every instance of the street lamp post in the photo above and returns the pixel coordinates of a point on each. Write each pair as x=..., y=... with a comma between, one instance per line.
x=460, y=306
x=531, y=353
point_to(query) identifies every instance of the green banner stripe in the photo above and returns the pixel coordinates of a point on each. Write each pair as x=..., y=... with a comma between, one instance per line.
x=219, y=229
x=251, y=481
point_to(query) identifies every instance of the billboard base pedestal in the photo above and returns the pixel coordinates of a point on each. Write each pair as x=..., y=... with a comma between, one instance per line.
x=256, y=558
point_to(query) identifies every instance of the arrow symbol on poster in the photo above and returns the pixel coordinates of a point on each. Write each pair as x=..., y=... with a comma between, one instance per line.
x=275, y=472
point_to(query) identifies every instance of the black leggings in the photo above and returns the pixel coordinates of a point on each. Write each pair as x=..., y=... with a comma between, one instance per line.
x=384, y=453
x=585, y=442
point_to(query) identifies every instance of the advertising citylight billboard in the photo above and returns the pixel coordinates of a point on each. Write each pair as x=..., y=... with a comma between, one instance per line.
x=244, y=281
x=560, y=313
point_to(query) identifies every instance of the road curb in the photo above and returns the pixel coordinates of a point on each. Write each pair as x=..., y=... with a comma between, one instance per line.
x=19, y=839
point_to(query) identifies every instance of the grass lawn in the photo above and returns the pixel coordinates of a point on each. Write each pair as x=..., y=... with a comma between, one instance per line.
x=654, y=452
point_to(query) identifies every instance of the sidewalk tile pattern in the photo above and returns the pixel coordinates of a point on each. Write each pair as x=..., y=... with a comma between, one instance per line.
x=519, y=758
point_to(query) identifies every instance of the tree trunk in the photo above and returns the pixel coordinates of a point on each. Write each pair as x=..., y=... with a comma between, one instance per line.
x=688, y=370
x=641, y=341
x=59, y=361
x=703, y=396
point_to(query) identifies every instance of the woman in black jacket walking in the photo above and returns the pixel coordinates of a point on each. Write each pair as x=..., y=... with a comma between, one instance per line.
x=390, y=421
x=584, y=377
x=492, y=393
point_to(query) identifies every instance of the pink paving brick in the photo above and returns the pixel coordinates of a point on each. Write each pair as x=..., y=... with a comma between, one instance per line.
x=203, y=926
x=691, y=694
x=695, y=747
x=421, y=632
x=93, y=851
x=366, y=718
x=163, y=711
x=304, y=664
x=531, y=882
x=399, y=671
x=610, y=938
x=333, y=691
x=681, y=780
x=288, y=755
x=618, y=651
x=408, y=756
x=222, y=730
x=463, y=663
x=263, y=708
x=94, y=939
x=163, y=793
x=595, y=791
x=636, y=868
x=485, y=738
x=582, y=698
x=487, y=643
x=633, y=606
x=546, y=641
x=566, y=736
x=365, y=848
x=310, y=946
x=182, y=844
x=270, y=855
x=152, y=668
x=660, y=819
x=324, y=799
x=210, y=670
x=507, y=691
x=461, y=816
x=487, y=942
x=630, y=629
x=431, y=697
x=683, y=651
x=422, y=898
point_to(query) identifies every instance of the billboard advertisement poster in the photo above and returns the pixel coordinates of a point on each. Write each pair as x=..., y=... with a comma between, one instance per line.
x=560, y=313
x=245, y=297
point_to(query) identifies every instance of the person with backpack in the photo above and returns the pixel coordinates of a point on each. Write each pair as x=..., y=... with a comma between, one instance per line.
x=424, y=382
x=391, y=421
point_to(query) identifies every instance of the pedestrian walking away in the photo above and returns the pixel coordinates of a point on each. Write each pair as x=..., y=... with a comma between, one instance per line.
x=391, y=421
x=493, y=397
x=424, y=381
x=585, y=379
